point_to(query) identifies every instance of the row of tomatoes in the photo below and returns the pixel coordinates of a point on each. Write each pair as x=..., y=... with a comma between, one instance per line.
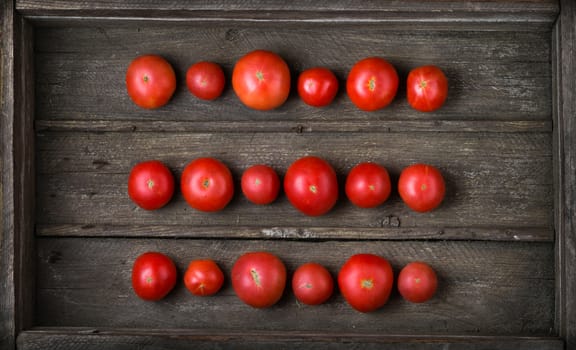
x=261, y=80
x=310, y=184
x=259, y=280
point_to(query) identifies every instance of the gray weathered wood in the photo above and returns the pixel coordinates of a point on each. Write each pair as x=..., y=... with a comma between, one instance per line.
x=486, y=288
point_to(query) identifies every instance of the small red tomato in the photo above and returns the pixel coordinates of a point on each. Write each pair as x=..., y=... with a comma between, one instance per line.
x=368, y=185
x=311, y=185
x=427, y=88
x=421, y=187
x=417, y=282
x=260, y=184
x=153, y=276
x=365, y=281
x=372, y=83
x=203, y=277
x=207, y=184
x=317, y=87
x=312, y=284
x=261, y=80
x=150, y=81
x=259, y=279
x=205, y=80
x=150, y=185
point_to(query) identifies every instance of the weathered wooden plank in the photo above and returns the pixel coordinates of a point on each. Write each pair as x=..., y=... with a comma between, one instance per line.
x=86, y=338
x=486, y=288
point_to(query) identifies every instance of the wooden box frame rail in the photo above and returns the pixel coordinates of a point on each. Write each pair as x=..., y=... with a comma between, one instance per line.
x=17, y=254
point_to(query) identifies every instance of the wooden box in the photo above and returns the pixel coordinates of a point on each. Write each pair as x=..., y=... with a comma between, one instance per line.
x=503, y=242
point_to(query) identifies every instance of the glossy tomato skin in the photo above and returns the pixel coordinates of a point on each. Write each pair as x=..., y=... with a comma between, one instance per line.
x=260, y=184
x=259, y=279
x=311, y=185
x=261, y=80
x=417, y=282
x=153, y=276
x=317, y=86
x=207, y=184
x=150, y=184
x=205, y=80
x=372, y=83
x=421, y=187
x=203, y=277
x=312, y=284
x=150, y=81
x=368, y=185
x=426, y=88
x=365, y=281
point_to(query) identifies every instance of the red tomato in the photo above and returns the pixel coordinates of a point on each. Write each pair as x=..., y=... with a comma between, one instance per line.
x=427, y=88
x=312, y=284
x=261, y=80
x=372, y=83
x=203, y=277
x=150, y=184
x=421, y=187
x=317, y=87
x=205, y=80
x=417, y=282
x=365, y=281
x=150, y=81
x=260, y=184
x=153, y=276
x=311, y=185
x=207, y=184
x=259, y=279
x=368, y=185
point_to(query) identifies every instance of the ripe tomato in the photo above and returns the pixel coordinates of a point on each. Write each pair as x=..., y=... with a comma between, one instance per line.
x=150, y=81
x=417, y=282
x=368, y=185
x=261, y=80
x=421, y=187
x=260, y=184
x=259, y=279
x=150, y=184
x=317, y=87
x=312, y=284
x=372, y=83
x=153, y=276
x=365, y=281
x=207, y=184
x=205, y=80
x=427, y=88
x=203, y=277
x=311, y=185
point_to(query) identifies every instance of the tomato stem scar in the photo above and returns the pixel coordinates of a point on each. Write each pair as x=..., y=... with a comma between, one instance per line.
x=372, y=84
x=260, y=76
x=313, y=188
x=367, y=283
x=206, y=183
x=255, y=276
x=150, y=183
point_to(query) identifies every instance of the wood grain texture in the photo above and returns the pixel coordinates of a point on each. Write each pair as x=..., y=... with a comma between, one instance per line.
x=132, y=339
x=485, y=288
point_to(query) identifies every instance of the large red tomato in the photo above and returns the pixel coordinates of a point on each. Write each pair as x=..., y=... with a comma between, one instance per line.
x=153, y=276
x=205, y=80
x=207, y=184
x=317, y=87
x=312, y=284
x=417, y=282
x=421, y=187
x=150, y=81
x=203, y=277
x=261, y=80
x=259, y=279
x=365, y=281
x=372, y=83
x=150, y=184
x=311, y=185
x=427, y=88
x=368, y=185
x=260, y=184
